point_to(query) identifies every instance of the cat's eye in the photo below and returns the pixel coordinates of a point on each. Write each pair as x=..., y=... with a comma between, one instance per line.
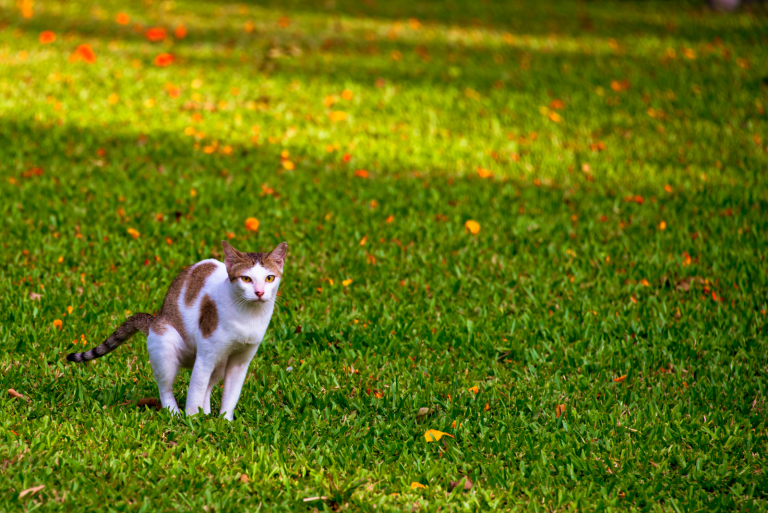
x=246, y=279
x=270, y=278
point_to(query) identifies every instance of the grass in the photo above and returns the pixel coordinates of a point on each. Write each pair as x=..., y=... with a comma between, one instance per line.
x=619, y=268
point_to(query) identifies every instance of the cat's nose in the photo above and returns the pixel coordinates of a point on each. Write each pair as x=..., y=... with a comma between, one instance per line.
x=259, y=293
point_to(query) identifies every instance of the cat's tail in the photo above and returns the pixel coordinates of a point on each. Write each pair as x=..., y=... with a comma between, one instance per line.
x=134, y=324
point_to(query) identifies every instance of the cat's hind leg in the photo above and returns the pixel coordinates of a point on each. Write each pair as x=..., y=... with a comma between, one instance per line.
x=163, y=351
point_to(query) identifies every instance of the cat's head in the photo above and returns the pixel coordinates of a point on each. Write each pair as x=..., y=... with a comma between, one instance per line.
x=255, y=276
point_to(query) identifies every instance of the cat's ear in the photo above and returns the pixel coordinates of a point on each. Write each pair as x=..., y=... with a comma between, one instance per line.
x=231, y=255
x=277, y=255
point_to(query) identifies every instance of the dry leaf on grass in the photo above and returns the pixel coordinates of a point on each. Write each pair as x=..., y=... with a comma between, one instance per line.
x=685, y=283
x=416, y=485
x=151, y=401
x=14, y=393
x=31, y=491
x=682, y=284
x=423, y=412
x=467, y=484
x=560, y=410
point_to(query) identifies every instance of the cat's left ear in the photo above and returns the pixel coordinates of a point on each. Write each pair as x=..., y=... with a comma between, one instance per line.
x=277, y=255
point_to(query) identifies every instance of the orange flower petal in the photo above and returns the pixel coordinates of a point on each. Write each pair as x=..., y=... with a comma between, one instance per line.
x=46, y=37
x=155, y=34
x=484, y=173
x=84, y=52
x=163, y=60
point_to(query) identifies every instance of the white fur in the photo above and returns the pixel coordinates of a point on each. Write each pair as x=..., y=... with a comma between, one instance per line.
x=227, y=352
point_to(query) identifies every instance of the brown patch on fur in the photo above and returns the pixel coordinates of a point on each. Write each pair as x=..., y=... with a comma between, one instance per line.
x=169, y=313
x=248, y=261
x=272, y=266
x=209, y=316
x=196, y=280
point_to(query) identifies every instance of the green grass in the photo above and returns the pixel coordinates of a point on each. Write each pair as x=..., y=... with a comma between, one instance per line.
x=566, y=287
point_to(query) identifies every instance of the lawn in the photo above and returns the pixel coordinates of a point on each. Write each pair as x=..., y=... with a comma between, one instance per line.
x=538, y=227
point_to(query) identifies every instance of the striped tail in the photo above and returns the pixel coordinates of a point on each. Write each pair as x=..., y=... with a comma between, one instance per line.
x=134, y=324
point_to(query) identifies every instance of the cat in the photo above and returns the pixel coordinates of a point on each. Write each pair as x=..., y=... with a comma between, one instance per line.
x=212, y=321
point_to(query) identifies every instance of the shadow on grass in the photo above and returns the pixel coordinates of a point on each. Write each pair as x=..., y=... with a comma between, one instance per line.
x=681, y=19
x=430, y=63
x=690, y=22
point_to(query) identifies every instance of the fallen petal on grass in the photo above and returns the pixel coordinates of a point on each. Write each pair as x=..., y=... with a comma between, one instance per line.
x=433, y=435
x=473, y=227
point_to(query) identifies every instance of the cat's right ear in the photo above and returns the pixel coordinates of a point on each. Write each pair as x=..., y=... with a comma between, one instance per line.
x=277, y=255
x=231, y=255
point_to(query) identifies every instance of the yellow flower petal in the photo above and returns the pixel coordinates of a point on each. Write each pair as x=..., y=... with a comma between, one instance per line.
x=433, y=435
x=337, y=115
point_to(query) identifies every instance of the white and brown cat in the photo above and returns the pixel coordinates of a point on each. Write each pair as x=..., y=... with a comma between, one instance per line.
x=212, y=321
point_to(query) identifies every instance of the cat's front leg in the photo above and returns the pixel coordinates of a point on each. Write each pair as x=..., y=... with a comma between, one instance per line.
x=198, y=382
x=218, y=373
x=237, y=368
